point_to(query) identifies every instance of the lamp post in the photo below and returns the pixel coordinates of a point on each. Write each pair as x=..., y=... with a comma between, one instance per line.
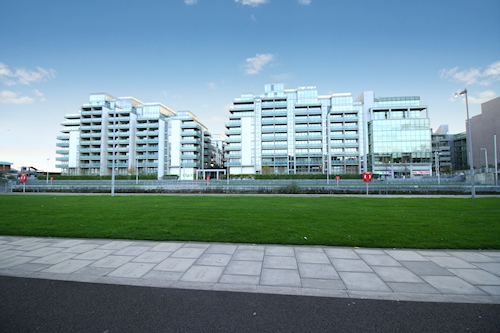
x=436, y=159
x=471, y=163
x=496, y=161
x=113, y=158
x=485, y=158
x=48, y=170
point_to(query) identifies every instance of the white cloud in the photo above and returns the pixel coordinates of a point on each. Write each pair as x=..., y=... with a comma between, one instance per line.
x=9, y=97
x=190, y=2
x=24, y=76
x=252, y=3
x=305, y=2
x=473, y=75
x=253, y=18
x=40, y=95
x=482, y=97
x=211, y=85
x=256, y=64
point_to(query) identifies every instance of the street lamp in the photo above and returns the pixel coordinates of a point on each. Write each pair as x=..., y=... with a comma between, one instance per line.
x=436, y=159
x=471, y=163
x=48, y=170
x=113, y=158
x=485, y=158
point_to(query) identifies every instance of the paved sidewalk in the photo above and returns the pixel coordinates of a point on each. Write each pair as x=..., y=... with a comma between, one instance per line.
x=391, y=274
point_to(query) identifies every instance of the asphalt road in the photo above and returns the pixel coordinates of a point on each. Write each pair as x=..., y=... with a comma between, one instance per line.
x=32, y=305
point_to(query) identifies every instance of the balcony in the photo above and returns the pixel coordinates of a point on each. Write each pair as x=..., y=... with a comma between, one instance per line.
x=190, y=125
x=62, y=151
x=233, y=131
x=233, y=124
x=62, y=137
x=62, y=144
x=193, y=141
x=190, y=165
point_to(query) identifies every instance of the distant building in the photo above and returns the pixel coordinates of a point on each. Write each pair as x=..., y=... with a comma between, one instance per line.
x=398, y=136
x=483, y=128
x=442, y=150
x=5, y=166
x=148, y=138
x=293, y=131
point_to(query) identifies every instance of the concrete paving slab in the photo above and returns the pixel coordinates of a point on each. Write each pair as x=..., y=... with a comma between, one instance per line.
x=336, y=284
x=11, y=253
x=240, y=279
x=280, y=277
x=132, y=250
x=167, y=247
x=152, y=257
x=308, y=249
x=203, y=274
x=163, y=275
x=406, y=255
x=249, y=254
x=452, y=285
x=213, y=259
x=221, y=249
x=312, y=257
x=317, y=271
x=197, y=245
x=132, y=270
x=350, y=265
x=433, y=253
x=472, y=257
x=280, y=262
x=492, y=290
x=81, y=248
x=412, y=288
x=493, y=268
x=451, y=262
x=69, y=243
x=112, y=261
x=355, y=281
x=29, y=267
x=282, y=251
x=94, y=254
x=68, y=266
x=341, y=253
x=188, y=252
x=477, y=276
x=379, y=260
x=243, y=267
x=14, y=261
x=54, y=258
x=396, y=274
x=425, y=268
x=179, y=265
x=42, y=252
x=115, y=245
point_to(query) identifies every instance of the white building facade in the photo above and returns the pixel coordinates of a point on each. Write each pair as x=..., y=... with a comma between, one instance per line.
x=294, y=131
x=144, y=138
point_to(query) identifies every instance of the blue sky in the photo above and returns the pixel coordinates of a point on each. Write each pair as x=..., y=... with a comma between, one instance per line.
x=199, y=55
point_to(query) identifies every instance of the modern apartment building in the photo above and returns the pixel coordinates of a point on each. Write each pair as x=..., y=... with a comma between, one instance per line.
x=398, y=136
x=293, y=131
x=148, y=138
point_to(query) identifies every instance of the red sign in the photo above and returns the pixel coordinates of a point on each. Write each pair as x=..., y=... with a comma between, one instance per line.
x=51, y=178
x=337, y=178
x=24, y=178
x=208, y=177
x=367, y=177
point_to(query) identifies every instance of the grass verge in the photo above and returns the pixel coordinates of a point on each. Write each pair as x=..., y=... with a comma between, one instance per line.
x=451, y=223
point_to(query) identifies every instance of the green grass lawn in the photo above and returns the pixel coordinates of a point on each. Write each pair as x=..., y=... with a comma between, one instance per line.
x=452, y=223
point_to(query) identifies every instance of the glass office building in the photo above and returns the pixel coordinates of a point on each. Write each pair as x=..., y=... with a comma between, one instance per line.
x=398, y=138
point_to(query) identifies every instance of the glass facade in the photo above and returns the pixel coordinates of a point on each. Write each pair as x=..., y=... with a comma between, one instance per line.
x=399, y=138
